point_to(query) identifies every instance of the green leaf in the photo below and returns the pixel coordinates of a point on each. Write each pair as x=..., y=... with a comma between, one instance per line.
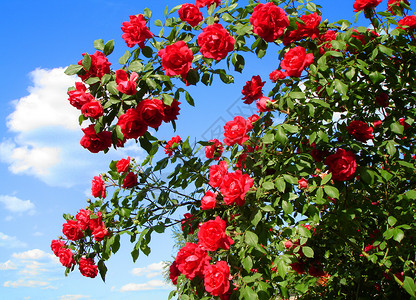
x=249, y=294
x=112, y=88
x=158, y=23
x=385, y=50
x=251, y=238
x=268, y=138
x=391, y=220
x=398, y=235
x=290, y=128
x=268, y=185
x=73, y=69
x=256, y=218
x=308, y=251
x=102, y=269
x=252, y=278
x=410, y=286
x=125, y=58
x=189, y=99
x=391, y=148
x=167, y=99
x=297, y=95
x=281, y=135
x=86, y=61
x=280, y=184
x=99, y=44
x=341, y=87
x=331, y=191
x=108, y=47
x=247, y=263
x=287, y=207
x=397, y=128
x=238, y=62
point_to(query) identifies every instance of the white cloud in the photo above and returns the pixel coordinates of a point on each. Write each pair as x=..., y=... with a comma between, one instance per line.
x=34, y=254
x=149, y=271
x=25, y=283
x=46, y=105
x=10, y=241
x=74, y=297
x=46, y=135
x=8, y=265
x=16, y=205
x=150, y=285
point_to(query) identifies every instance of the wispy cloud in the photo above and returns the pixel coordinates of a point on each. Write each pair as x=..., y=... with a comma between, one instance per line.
x=149, y=271
x=46, y=134
x=74, y=297
x=7, y=241
x=8, y=265
x=16, y=205
x=149, y=285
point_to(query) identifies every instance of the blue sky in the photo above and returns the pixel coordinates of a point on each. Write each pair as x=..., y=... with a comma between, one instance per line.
x=45, y=172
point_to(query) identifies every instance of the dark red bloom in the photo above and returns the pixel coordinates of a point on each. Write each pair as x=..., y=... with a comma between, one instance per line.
x=360, y=130
x=87, y=267
x=172, y=145
x=95, y=142
x=190, y=14
x=130, y=180
x=99, y=66
x=253, y=89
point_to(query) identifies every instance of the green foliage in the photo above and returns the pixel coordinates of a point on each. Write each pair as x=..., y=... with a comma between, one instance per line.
x=335, y=236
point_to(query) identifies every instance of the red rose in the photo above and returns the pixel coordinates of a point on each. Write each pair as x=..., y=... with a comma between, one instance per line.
x=176, y=59
x=171, y=111
x=83, y=218
x=131, y=124
x=262, y=104
x=92, y=109
x=325, y=41
x=397, y=3
x=186, y=221
x=269, y=21
x=303, y=183
x=382, y=99
x=100, y=232
x=207, y=3
x=365, y=4
x=217, y=278
x=174, y=273
x=95, y=221
x=151, y=112
x=276, y=75
x=214, y=151
x=190, y=14
x=217, y=173
x=298, y=267
x=99, y=66
x=342, y=165
x=72, y=230
x=360, y=130
x=87, y=267
x=253, y=118
x=215, y=42
x=123, y=165
x=403, y=123
x=172, y=145
x=407, y=23
x=377, y=123
x=95, y=142
x=316, y=270
x=135, y=31
x=252, y=90
x=98, y=187
x=234, y=187
x=209, y=200
x=79, y=97
x=192, y=260
x=235, y=131
x=130, y=180
x=125, y=84
x=56, y=245
x=65, y=256
x=211, y=235
x=241, y=161
x=309, y=28
x=296, y=60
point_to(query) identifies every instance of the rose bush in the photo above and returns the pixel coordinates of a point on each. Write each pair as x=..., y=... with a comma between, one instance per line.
x=313, y=198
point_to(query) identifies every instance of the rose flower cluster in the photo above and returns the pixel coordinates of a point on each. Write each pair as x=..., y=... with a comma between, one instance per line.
x=86, y=224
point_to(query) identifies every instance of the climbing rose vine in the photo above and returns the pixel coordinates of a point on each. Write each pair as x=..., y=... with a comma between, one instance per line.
x=313, y=197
